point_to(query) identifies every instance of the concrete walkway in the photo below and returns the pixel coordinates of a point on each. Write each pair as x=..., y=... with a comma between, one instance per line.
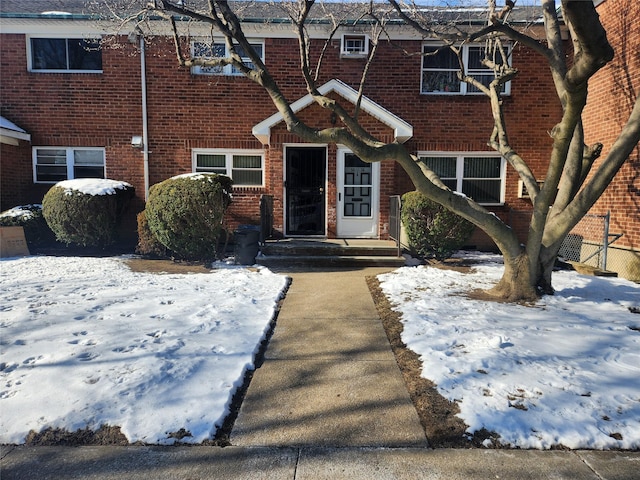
x=328, y=402
x=329, y=377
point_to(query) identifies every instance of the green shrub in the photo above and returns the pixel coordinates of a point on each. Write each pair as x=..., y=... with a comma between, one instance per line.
x=36, y=231
x=185, y=213
x=432, y=230
x=86, y=212
x=148, y=244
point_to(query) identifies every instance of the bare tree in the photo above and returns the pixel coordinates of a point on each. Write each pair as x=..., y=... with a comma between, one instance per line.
x=570, y=187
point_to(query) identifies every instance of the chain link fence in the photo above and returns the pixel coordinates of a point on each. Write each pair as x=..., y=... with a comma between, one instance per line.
x=587, y=243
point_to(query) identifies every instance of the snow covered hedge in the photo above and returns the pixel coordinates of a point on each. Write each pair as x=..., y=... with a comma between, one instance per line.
x=86, y=211
x=185, y=213
x=36, y=231
x=432, y=230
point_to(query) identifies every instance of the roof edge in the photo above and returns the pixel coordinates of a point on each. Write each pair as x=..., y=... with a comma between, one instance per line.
x=403, y=131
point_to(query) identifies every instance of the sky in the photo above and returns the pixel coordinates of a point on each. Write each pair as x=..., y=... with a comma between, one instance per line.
x=86, y=342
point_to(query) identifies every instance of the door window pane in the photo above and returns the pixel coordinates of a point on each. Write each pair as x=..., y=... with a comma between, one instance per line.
x=357, y=187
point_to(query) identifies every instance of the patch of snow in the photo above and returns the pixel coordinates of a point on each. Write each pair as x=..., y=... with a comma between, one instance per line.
x=23, y=211
x=194, y=175
x=87, y=342
x=92, y=186
x=565, y=371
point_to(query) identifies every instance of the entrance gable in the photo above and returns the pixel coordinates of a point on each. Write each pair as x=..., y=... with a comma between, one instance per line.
x=403, y=131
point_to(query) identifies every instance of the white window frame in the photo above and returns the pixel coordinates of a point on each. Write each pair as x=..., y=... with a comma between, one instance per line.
x=464, y=87
x=229, y=154
x=30, y=63
x=460, y=156
x=227, y=70
x=347, y=52
x=69, y=162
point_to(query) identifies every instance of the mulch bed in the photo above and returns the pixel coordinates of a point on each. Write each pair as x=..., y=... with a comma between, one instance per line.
x=437, y=414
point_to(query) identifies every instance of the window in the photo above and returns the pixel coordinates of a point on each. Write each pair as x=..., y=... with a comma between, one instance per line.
x=219, y=50
x=55, y=164
x=440, y=70
x=354, y=46
x=244, y=167
x=478, y=176
x=65, y=55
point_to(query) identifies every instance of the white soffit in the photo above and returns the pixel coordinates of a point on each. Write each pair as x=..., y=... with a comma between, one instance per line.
x=403, y=131
x=10, y=133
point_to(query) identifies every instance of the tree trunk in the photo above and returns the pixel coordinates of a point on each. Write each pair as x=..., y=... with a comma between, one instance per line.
x=515, y=284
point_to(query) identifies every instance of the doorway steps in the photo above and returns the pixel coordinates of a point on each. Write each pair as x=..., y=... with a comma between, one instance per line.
x=310, y=252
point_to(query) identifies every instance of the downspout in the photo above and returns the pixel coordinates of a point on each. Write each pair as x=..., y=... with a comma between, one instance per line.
x=145, y=127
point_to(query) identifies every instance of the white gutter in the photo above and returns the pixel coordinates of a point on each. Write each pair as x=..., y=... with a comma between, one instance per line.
x=145, y=127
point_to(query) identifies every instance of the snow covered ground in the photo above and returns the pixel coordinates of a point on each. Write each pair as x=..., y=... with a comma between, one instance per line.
x=86, y=342
x=563, y=372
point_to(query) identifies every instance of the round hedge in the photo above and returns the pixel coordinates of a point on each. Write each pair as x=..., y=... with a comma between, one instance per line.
x=432, y=230
x=36, y=231
x=185, y=213
x=86, y=211
x=148, y=244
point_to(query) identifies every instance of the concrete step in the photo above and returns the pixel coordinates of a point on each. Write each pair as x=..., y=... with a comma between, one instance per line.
x=330, y=261
x=338, y=247
x=330, y=252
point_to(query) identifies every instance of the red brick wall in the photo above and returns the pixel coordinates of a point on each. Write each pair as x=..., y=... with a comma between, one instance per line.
x=16, y=176
x=612, y=93
x=94, y=110
x=191, y=111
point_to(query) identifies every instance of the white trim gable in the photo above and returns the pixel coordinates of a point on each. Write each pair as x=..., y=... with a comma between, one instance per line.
x=10, y=133
x=403, y=131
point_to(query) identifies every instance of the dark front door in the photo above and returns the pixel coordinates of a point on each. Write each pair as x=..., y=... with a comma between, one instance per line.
x=305, y=180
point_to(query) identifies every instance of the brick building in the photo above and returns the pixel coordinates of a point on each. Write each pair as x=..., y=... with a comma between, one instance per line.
x=79, y=110
x=612, y=94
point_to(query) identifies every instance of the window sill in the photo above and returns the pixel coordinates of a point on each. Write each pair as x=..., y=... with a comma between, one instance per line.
x=459, y=94
x=248, y=187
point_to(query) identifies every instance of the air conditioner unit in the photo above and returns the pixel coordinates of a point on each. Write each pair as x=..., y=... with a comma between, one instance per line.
x=522, y=190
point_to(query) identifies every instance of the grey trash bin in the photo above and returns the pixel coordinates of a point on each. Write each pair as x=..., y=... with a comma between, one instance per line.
x=247, y=245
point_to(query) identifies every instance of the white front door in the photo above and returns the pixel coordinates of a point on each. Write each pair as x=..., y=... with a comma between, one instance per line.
x=358, y=196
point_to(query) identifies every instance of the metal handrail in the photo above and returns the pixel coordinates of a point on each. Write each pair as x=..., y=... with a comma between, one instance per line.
x=395, y=205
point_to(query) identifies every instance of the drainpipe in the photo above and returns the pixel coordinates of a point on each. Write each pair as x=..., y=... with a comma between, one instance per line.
x=145, y=127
